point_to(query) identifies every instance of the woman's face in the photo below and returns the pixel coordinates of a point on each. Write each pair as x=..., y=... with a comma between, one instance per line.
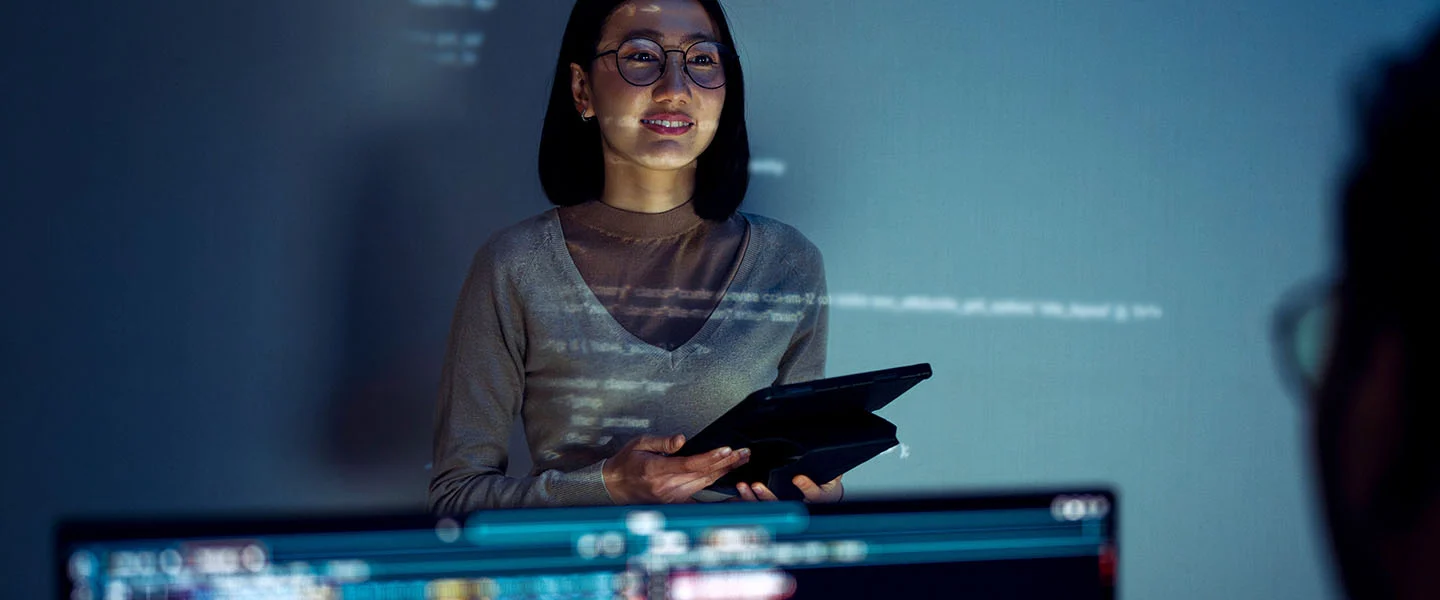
x=626, y=113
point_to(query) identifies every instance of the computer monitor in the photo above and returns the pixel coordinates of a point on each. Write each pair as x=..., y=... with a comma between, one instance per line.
x=1013, y=545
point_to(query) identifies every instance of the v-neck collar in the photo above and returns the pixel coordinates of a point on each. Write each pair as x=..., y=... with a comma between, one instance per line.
x=740, y=273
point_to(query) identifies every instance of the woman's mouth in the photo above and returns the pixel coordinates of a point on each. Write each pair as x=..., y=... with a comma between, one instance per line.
x=667, y=126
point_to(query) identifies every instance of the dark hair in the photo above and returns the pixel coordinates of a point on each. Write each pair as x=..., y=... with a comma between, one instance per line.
x=1390, y=194
x=571, y=162
x=1390, y=201
x=1389, y=252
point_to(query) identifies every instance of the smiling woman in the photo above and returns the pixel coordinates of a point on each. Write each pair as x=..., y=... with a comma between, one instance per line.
x=645, y=305
x=614, y=79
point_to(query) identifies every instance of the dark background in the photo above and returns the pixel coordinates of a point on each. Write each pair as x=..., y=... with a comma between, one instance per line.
x=234, y=233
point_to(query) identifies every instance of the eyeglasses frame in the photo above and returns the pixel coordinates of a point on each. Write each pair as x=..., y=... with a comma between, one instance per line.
x=726, y=52
x=1286, y=319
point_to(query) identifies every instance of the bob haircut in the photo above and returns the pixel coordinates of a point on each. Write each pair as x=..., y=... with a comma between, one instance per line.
x=572, y=167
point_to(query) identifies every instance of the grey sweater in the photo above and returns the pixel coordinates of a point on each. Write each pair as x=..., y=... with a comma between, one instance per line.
x=530, y=339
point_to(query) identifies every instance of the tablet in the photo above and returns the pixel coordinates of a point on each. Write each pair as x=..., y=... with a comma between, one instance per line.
x=820, y=429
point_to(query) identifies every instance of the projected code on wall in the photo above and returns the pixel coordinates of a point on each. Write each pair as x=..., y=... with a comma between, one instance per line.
x=449, y=33
x=1002, y=308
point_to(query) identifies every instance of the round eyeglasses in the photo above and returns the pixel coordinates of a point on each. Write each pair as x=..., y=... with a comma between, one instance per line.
x=642, y=61
x=1304, y=325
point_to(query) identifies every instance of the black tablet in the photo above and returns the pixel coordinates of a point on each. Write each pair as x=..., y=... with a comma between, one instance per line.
x=819, y=429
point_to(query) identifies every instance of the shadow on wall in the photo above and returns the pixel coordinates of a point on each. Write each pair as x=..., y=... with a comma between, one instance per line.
x=424, y=197
x=407, y=257
x=380, y=406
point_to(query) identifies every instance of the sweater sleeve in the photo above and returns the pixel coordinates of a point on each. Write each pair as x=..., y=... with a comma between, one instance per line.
x=481, y=391
x=804, y=359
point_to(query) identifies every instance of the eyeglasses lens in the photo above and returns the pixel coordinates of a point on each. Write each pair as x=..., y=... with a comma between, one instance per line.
x=1310, y=344
x=642, y=62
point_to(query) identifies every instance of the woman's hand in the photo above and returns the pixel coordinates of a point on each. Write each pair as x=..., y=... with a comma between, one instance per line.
x=643, y=473
x=830, y=492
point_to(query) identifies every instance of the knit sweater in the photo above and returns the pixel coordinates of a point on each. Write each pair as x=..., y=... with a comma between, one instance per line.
x=530, y=339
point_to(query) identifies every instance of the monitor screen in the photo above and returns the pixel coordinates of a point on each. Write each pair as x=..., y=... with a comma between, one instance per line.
x=1029, y=545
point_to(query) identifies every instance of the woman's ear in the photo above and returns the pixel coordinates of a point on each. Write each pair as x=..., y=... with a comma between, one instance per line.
x=580, y=90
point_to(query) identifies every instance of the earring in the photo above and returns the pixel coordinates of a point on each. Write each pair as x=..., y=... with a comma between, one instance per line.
x=585, y=118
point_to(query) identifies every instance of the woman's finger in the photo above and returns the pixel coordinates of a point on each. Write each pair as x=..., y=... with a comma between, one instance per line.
x=763, y=493
x=832, y=491
x=812, y=492
x=745, y=493
x=657, y=444
x=720, y=461
x=699, y=463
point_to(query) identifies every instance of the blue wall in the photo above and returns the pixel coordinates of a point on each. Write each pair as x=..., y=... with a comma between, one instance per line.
x=233, y=234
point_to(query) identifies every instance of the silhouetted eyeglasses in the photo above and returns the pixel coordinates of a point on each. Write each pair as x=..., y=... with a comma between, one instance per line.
x=642, y=61
x=1304, y=333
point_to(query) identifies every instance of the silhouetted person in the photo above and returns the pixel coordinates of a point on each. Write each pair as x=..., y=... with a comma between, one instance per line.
x=1368, y=345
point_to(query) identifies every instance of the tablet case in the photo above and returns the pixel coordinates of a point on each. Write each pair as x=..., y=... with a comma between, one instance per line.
x=820, y=429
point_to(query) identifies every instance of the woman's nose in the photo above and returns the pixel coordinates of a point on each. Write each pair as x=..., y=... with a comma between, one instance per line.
x=673, y=83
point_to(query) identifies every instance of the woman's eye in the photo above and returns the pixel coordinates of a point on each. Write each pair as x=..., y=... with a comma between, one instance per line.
x=641, y=57
x=702, y=60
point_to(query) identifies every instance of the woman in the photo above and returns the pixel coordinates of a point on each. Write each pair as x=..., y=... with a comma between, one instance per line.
x=644, y=304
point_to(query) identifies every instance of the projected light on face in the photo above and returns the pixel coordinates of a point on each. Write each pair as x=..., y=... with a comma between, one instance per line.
x=656, y=86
